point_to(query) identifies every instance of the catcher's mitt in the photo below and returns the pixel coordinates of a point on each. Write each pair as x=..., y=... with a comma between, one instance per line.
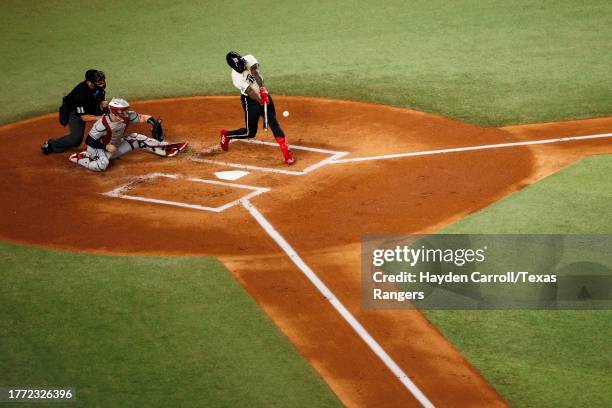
x=157, y=131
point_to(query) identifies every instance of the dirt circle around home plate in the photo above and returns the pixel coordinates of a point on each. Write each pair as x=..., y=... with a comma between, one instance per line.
x=322, y=206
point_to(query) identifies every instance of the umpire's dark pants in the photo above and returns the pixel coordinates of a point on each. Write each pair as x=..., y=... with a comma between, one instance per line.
x=74, y=139
x=253, y=110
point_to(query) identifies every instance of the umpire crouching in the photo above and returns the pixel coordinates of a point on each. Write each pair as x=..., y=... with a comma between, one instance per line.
x=85, y=103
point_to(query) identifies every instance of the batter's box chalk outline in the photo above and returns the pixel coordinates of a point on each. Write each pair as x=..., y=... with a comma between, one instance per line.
x=119, y=192
x=333, y=156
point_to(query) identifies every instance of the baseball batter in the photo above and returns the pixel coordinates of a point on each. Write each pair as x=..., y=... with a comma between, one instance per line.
x=256, y=102
x=107, y=139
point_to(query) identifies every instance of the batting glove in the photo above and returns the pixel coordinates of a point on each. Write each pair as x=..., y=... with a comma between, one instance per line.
x=265, y=96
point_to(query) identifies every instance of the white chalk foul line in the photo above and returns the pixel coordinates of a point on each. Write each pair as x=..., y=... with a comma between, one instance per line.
x=471, y=148
x=324, y=162
x=329, y=295
x=291, y=253
x=335, y=158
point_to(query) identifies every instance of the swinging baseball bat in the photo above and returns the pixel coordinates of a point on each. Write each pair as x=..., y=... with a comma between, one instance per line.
x=265, y=124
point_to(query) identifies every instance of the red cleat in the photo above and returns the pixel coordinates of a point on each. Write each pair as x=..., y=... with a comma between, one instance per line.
x=289, y=159
x=175, y=148
x=224, y=142
x=75, y=157
x=287, y=154
x=181, y=146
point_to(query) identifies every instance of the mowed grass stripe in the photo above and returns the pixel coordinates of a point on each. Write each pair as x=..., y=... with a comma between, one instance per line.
x=492, y=63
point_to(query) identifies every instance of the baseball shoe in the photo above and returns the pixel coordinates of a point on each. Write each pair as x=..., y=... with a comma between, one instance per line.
x=289, y=159
x=181, y=146
x=46, y=148
x=224, y=141
x=75, y=157
x=284, y=146
x=175, y=148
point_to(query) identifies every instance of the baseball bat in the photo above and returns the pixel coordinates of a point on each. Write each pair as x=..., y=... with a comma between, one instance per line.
x=265, y=124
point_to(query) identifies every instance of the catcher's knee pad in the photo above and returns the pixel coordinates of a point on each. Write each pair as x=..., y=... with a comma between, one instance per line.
x=103, y=163
x=136, y=136
x=100, y=164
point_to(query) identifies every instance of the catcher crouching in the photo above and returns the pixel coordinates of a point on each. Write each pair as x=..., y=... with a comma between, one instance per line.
x=107, y=140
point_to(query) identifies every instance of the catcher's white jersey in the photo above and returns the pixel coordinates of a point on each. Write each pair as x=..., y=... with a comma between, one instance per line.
x=107, y=131
x=245, y=80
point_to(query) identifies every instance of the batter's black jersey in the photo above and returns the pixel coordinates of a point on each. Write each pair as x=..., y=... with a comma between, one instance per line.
x=85, y=101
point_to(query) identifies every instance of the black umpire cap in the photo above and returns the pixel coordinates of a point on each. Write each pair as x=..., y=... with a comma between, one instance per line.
x=95, y=75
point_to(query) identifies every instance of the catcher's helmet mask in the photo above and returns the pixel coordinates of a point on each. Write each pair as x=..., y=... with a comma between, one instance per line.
x=235, y=61
x=120, y=108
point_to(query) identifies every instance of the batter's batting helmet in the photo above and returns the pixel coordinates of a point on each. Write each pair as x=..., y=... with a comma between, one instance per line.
x=235, y=61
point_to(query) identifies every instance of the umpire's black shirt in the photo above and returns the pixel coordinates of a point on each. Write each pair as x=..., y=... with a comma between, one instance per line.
x=85, y=101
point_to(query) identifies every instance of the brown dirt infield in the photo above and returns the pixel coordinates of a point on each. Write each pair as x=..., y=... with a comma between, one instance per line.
x=50, y=202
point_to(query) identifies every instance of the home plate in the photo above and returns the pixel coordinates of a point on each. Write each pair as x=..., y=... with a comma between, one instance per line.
x=231, y=175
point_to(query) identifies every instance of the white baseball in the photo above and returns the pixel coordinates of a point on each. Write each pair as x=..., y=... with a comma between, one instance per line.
x=286, y=113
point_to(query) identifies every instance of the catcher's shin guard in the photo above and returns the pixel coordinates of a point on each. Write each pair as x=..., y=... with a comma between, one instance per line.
x=284, y=146
x=99, y=163
x=138, y=141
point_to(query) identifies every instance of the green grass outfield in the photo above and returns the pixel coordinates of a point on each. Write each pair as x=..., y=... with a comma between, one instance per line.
x=542, y=358
x=486, y=62
x=144, y=331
